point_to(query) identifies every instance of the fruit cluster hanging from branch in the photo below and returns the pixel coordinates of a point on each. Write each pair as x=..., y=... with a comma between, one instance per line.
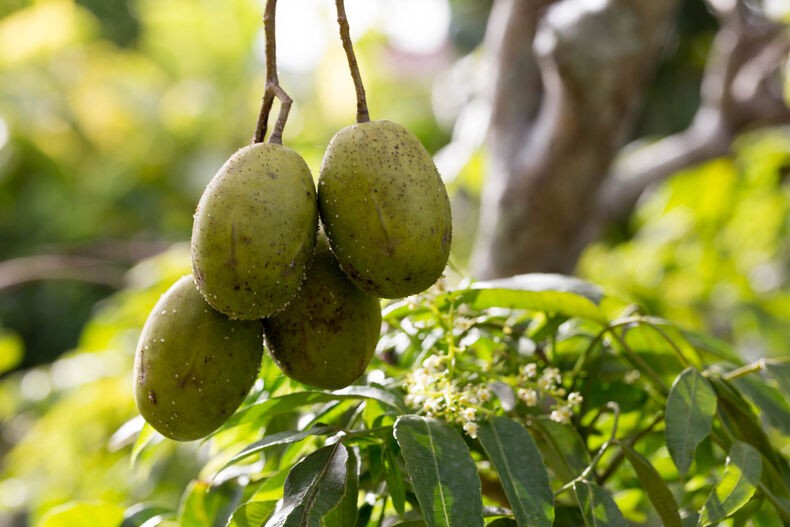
x=278, y=261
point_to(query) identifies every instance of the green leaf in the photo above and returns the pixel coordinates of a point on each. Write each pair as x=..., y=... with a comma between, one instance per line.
x=395, y=484
x=271, y=489
x=737, y=486
x=282, y=438
x=561, y=448
x=203, y=505
x=690, y=408
x=521, y=471
x=442, y=471
x=138, y=515
x=345, y=512
x=657, y=490
x=738, y=418
x=542, y=282
x=294, y=401
x=597, y=506
x=93, y=513
x=548, y=293
x=144, y=438
x=313, y=487
x=767, y=400
x=251, y=514
x=502, y=522
x=780, y=372
x=709, y=345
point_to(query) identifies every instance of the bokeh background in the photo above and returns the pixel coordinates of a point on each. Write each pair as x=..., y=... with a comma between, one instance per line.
x=114, y=114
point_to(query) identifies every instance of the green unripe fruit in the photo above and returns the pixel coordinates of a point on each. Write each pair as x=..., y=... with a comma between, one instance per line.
x=254, y=229
x=194, y=366
x=385, y=209
x=328, y=333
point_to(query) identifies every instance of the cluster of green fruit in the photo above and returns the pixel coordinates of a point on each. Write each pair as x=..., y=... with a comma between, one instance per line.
x=264, y=271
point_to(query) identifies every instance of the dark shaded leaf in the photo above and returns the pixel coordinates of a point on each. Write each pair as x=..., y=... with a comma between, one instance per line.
x=315, y=485
x=442, y=471
x=737, y=486
x=294, y=401
x=690, y=408
x=780, y=372
x=737, y=416
x=521, y=470
x=282, y=438
x=768, y=401
x=395, y=485
x=502, y=522
x=561, y=448
x=657, y=490
x=597, y=506
x=345, y=512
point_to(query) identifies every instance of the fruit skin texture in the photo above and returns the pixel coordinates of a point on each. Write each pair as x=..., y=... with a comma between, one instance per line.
x=328, y=333
x=385, y=209
x=254, y=229
x=193, y=366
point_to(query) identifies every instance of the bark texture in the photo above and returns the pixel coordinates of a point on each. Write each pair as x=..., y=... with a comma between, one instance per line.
x=570, y=78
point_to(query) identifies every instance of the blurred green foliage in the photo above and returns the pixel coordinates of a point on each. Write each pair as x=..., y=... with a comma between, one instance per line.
x=114, y=115
x=710, y=248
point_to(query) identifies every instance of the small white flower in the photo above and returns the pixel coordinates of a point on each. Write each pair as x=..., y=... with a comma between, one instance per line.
x=530, y=397
x=483, y=394
x=575, y=399
x=432, y=405
x=530, y=370
x=471, y=429
x=562, y=415
x=415, y=399
x=433, y=364
x=468, y=399
x=552, y=375
x=469, y=413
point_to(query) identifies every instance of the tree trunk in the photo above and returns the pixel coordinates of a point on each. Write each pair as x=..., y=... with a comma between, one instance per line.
x=570, y=78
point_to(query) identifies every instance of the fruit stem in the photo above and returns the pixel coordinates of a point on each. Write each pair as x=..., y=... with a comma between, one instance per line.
x=273, y=88
x=345, y=37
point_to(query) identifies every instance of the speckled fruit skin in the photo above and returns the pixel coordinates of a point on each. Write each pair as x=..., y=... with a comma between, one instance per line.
x=385, y=209
x=254, y=229
x=328, y=333
x=193, y=366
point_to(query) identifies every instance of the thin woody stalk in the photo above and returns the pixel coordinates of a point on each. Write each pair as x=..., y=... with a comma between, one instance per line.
x=345, y=37
x=273, y=88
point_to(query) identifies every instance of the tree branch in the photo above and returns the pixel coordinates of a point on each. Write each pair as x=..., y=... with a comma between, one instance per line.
x=594, y=59
x=27, y=269
x=740, y=91
x=518, y=86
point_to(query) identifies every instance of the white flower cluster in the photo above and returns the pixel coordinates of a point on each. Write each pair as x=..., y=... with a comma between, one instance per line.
x=548, y=384
x=431, y=388
x=436, y=391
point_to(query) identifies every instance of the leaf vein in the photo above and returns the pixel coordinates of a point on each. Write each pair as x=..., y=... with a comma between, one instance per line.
x=438, y=474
